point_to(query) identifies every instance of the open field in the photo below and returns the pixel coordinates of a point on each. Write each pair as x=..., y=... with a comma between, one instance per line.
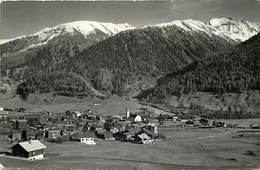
x=187, y=148
x=48, y=103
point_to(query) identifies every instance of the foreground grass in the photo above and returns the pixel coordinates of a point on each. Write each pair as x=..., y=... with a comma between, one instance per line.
x=187, y=148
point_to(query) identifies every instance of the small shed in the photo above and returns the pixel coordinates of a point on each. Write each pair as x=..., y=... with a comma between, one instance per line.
x=32, y=149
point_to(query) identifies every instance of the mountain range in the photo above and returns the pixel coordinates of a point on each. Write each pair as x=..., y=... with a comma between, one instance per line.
x=87, y=57
x=68, y=38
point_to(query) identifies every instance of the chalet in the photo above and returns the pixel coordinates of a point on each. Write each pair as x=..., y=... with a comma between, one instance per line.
x=204, y=122
x=114, y=130
x=85, y=138
x=53, y=134
x=127, y=135
x=124, y=136
x=189, y=123
x=135, y=118
x=142, y=138
x=77, y=114
x=218, y=124
x=3, y=114
x=32, y=149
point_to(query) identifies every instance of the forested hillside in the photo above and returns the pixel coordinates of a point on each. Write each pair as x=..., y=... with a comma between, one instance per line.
x=235, y=70
x=111, y=65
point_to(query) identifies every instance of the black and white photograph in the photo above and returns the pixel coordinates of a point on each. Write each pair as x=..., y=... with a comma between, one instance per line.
x=130, y=85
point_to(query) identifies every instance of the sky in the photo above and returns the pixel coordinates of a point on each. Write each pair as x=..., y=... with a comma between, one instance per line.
x=26, y=17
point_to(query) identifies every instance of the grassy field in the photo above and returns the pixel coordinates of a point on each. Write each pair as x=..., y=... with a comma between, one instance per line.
x=45, y=102
x=188, y=148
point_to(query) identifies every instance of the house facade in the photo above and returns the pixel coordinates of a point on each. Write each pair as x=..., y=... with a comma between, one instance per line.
x=85, y=138
x=88, y=140
x=54, y=134
x=32, y=149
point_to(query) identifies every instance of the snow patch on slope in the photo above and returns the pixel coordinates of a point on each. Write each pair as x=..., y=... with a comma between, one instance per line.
x=238, y=30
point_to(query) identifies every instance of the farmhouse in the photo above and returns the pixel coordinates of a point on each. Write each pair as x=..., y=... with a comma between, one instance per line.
x=76, y=114
x=142, y=138
x=53, y=134
x=32, y=149
x=3, y=114
x=85, y=138
x=135, y=118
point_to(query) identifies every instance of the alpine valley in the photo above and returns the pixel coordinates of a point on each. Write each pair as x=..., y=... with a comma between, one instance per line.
x=167, y=64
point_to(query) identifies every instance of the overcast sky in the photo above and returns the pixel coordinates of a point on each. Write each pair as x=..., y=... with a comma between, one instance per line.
x=22, y=18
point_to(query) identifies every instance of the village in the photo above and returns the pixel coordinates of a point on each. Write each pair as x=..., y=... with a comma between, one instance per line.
x=27, y=132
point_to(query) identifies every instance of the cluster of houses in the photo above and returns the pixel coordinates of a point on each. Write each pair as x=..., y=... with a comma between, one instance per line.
x=87, y=127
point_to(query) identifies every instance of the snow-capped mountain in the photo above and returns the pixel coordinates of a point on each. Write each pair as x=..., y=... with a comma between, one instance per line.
x=230, y=29
x=86, y=28
x=238, y=30
x=62, y=40
x=191, y=25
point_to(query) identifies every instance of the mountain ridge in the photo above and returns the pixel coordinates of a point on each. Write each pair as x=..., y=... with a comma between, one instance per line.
x=128, y=57
x=110, y=63
x=233, y=71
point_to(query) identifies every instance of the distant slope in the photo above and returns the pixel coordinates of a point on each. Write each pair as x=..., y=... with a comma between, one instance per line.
x=113, y=64
x=234, y=71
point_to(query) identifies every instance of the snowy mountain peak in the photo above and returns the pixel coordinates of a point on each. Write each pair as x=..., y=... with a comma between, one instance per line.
x=228, y=28
x=238, y=30
x=87, y=27
x=84, y=27
x=190, y=25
